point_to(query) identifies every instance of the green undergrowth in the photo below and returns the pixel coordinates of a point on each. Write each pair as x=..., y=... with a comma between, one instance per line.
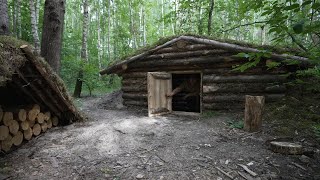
x=297, y=115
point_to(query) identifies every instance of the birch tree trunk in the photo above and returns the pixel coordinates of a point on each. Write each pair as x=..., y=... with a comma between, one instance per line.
x=109, y=29
x=84, y=51
x=52, y=31
x=34, y=26
x=99, y=36
x=210, y=17
x=4, y=18
x=18, y=18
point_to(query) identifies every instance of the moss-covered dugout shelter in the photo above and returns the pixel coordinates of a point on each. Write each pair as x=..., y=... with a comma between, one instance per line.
x=26, y=79
x=150, y=75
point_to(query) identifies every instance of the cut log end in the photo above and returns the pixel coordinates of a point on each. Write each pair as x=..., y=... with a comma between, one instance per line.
x=22, y=115
x=55, y=121
x=4, y=132
x=14, y=127
x=286, y=148
x=24, y=125
x=7, y=118
x=44, y=127
x=28, y=134
x=6, y=144
x=17, y=139
x=36, y=129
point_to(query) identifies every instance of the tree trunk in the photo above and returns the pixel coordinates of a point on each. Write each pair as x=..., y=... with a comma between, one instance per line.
x=253, y=113
x=52, y=31
x=99, y=36
x=34, y=26
x=210, y=17
x=84, y=52
x=4, y=18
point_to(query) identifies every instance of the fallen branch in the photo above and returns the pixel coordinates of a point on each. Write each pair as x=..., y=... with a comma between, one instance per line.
x=248, y=170
x=225, y=173
x=244, y=176
x=248, y=24
x=299, y=166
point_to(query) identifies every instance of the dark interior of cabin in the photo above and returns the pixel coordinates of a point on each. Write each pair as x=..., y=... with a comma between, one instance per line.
x=179, y=101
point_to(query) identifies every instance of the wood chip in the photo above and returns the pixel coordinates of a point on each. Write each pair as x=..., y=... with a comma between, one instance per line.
x=248, y=170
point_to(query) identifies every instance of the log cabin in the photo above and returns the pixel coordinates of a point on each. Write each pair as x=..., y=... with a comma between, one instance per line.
x=149, y=76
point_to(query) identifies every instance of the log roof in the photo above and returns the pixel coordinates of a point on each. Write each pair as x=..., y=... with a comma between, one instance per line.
x=28, y=79
x=228, y=45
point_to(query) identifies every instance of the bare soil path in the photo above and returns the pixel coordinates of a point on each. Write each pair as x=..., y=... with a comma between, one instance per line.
x=123, y=144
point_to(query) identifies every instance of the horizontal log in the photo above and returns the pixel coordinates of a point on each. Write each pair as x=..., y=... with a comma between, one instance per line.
x=134, y=88
x=186, y=61
x=134, y=96
x=245, y=78
x=223, y=106
x=163, y=76
x=173, y=55
x=242, y=87
x=193, y=47
x=134, y=75
x=135, y=103
x=252, y=71
x=134, y=81
x=239, y=98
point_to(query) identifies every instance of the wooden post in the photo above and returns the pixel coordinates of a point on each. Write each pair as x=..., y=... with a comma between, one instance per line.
x=253, y=113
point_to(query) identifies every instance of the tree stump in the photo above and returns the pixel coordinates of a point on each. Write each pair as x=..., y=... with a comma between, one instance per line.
x=286, y=148
x=253, y=113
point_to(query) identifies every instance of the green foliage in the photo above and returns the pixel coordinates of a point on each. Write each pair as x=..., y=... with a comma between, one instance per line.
x=316, y=130
x=254, y=59
x=210, y=114
x=238, y=124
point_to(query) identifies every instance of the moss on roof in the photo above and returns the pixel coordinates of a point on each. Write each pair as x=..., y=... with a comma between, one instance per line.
x=11, y=57
x=275, y=49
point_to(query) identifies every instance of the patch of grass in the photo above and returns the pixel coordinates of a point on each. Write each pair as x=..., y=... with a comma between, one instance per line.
x=238, y=124
x=316, y=130
x=210, y=114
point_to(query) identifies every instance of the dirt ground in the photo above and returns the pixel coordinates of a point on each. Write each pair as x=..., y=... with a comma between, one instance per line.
x=117, y=143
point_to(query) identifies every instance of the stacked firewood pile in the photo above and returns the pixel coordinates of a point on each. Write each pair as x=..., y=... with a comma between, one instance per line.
x=22, y=124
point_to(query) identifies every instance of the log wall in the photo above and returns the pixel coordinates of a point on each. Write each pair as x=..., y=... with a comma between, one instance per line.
x=222, y=88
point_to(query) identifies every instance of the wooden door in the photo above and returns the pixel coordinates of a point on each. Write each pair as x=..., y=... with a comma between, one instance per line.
x=159, y=85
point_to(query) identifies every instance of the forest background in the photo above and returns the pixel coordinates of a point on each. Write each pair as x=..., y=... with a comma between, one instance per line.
x=117, y=28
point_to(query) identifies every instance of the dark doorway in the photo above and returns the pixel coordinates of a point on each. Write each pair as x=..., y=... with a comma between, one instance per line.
x=188, y=100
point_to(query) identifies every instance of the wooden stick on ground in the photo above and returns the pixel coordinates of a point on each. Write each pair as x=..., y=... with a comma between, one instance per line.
x=248, y=170
x=225, y=173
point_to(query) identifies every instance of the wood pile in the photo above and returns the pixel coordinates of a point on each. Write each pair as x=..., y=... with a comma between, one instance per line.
x=21, y=124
